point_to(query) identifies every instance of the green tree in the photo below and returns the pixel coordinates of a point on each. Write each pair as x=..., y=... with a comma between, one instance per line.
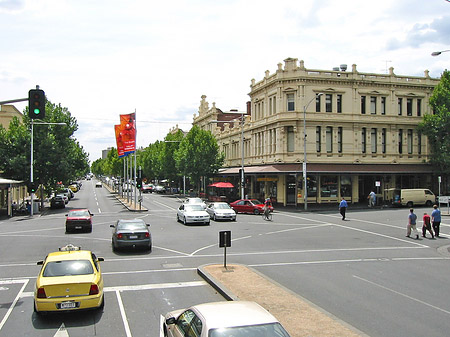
x=171, y=144
x=436, y=126
x=150, y=161
x=57, y=155
x=198, y=155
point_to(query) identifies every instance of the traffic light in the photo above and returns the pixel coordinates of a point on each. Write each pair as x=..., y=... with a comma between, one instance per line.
x=139, y=182
x=36, y=104
x=32, y=187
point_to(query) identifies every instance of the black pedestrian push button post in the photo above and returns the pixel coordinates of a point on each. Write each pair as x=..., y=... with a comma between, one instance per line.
x=225, y=241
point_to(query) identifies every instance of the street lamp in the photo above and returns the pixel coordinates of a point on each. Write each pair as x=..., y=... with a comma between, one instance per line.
x=242, y=175
x=437, y=53
x=305, y=191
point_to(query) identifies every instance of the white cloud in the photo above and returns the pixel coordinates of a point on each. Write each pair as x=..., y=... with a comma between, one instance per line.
x=104, y=58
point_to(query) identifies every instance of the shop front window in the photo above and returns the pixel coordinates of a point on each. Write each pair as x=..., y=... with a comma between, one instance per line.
x=329, y=187
x=312, y=186
x=346, y=186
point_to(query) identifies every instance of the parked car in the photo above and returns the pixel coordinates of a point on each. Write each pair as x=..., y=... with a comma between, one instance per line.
x=67, y=192
x=159, y=189
x=66, y=199
x=220, y=319
x=79, y=219
x=192, y=214
x=98, y=184
x=131, y=234
x=253, y=206
x=410, y=197
x=147, y=188
x=69, y=280
x=73, y=188
x=57, y=202
x=221, y=211
x=194, y=201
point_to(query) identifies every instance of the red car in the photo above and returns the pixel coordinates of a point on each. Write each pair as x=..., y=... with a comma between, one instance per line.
x=79, y=219
x=253, y=206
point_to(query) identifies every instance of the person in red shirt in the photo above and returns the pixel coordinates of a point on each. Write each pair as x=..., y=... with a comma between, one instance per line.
x=427, y=225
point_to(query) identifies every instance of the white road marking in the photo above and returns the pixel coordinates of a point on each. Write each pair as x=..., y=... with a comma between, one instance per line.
x=13, y=304
x=404, y=295
x=122, y=313
x=62, y=331
x=161, y=324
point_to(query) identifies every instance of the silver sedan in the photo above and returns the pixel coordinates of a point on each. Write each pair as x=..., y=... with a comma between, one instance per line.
x=192, y=214
x=221, y=211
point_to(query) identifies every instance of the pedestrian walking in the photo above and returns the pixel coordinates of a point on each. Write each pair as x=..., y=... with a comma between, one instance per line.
x=436, y=220
x=412, y=218
x=343, y=207
x=426, y=225
x=372, y=199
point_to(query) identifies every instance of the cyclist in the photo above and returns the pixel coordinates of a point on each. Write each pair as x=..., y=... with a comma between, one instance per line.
x=267, y=204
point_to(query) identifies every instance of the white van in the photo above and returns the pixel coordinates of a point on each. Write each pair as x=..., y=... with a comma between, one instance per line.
x=412, y=196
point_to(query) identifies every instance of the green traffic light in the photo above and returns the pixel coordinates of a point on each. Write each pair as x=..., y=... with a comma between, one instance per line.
x=37, y=111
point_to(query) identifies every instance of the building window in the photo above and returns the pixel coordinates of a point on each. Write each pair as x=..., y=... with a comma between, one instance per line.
x=363, y=139
x=410, y=141
x=290, y=139
x=329, y=186
x=373, y=140
x=270, y=106
x=339, y=103
x=363, y=105
x=346, y=186
x=318, y=103
x=328, y=103
x=339, y=135
x=383, y=105
x=419, y=143
x=419, y=107
x=329, y=138
x=318, y=135
x=290, y=102
x=373, y=105
x=400, y=141
x=383, y=140
x=409, y=106
x=400, y=104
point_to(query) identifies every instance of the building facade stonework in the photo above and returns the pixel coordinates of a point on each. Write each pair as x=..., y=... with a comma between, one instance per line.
x=360, y=134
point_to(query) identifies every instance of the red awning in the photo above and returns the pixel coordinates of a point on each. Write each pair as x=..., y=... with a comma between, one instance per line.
x=222, y=185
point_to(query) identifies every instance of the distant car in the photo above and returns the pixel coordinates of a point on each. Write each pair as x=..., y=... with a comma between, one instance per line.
x=159, y=189
x=253, y=206
x=147, y=188
x=73, y=188
x=57, y=202
x=69, y=280
x=192, y=214
x=223, y=319
x=221, y=211
x=66, y=199
x=194, y=201
x=67, y=192
x=98, y=184
x=131, y=234
x=79, y=219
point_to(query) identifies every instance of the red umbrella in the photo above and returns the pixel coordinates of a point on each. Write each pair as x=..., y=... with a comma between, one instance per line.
x=222, y=185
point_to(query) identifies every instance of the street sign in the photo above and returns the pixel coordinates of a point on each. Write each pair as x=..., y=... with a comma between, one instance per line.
x=224, y=239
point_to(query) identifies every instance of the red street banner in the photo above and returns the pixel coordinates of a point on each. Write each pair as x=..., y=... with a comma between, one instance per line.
x=128, y=133
x=119, y=141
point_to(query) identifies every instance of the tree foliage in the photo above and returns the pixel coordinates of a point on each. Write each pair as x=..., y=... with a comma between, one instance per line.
x=57, y=156
x=436, y=126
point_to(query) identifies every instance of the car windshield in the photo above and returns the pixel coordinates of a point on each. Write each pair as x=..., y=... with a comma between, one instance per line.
x=131, y=226
x=266, y=330
x=68, y=268
x=222, y=206
x=78, y=213
x=194, y=208
x=194, y=201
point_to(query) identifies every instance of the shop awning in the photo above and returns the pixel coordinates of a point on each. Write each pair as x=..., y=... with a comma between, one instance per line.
x=222, y=185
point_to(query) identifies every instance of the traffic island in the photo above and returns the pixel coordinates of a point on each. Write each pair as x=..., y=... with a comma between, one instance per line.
x=128, y=204
x=299, y=317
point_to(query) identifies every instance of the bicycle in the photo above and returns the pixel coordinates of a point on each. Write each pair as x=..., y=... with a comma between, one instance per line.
x=267, y=216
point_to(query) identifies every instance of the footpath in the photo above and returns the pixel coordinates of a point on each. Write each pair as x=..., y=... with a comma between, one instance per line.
x=299, y=317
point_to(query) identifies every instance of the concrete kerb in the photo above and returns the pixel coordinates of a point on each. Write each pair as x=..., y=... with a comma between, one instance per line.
x=216, y=284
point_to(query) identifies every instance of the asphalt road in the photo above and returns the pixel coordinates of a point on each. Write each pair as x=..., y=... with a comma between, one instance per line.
x=363, y=271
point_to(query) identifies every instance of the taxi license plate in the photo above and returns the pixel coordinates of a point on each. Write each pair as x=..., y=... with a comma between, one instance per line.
x=78, y=227
x=68, y=305
x=133, y=236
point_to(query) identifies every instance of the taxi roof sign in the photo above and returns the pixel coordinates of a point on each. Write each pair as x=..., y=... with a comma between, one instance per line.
x=69, y=248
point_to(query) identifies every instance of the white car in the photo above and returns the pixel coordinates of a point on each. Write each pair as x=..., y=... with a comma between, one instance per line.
x=221, y=211
x=195, y=201
x=223, y=319
x=192, y=214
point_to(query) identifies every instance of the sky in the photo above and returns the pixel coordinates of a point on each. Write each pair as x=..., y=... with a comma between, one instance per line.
x=104, y=58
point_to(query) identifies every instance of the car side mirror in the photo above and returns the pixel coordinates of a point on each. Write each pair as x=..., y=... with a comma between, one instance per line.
x=100, y=259
x=148, y=225
x=67, y=214
x=112, y=226
x=171, y=321
x=40, y=263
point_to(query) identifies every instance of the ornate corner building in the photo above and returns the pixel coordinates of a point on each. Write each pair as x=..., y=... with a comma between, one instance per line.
x=359, y=128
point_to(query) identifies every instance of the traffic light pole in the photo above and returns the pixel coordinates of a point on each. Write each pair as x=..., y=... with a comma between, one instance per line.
x=31, y=168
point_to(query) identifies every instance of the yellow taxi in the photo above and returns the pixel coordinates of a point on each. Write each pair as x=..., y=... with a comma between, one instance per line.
x=70, y=279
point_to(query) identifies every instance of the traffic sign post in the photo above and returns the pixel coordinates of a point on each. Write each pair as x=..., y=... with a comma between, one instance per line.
x=225, y=241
